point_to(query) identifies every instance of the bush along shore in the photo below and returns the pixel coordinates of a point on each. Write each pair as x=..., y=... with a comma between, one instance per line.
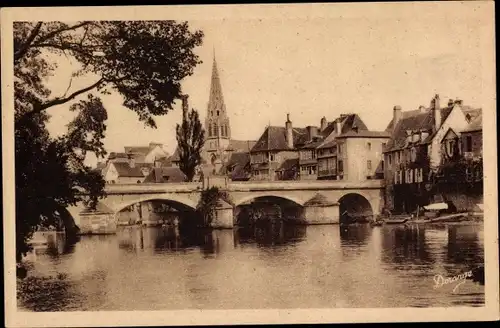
x=48, y=293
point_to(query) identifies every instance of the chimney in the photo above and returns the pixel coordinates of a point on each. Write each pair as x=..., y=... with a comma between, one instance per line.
x=436, y=111
x=450, y=102
x=338, y=126
x=289, y=132
x=131, y=161
x=185, y=107
x=312, y=132
x=396, y=116
x=421, y=109
x=323, y=124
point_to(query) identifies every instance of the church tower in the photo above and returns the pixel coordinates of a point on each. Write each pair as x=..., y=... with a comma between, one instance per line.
x=217, y=128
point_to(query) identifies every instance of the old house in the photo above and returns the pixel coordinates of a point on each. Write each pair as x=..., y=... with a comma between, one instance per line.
x=330, y=164
x=308, y=153
x=275, y=146
x=126, y=172
x=165, y=175
x=360, y=154
x=421, y=142
x=238, y=167
x=147, y=154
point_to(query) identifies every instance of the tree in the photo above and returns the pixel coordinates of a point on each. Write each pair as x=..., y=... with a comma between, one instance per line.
x=143, y=61
x=190, y=140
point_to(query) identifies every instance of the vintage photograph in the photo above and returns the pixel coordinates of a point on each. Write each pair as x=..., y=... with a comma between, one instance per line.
x=331, y=158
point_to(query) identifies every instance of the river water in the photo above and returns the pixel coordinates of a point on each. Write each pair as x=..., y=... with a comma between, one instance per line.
x=276, y=266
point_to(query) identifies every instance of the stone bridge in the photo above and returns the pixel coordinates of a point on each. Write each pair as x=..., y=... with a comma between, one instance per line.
x=363, y=198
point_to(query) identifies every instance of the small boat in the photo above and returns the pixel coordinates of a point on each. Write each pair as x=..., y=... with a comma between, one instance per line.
x=376, y=223
x=396, y=221
x=449, y=218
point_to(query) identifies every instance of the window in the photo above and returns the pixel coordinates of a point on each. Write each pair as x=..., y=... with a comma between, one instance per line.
x=216, y=129
x=450, y=147
x=272, y=157
x=410, y=176
x=218, y=113
x=369, y=146
x=312, y=169
x=382, y=164
x=389, y=159
x=210, y=130
x=413, y=154
x=341, y=166
x=468, y=143
x=369, y=165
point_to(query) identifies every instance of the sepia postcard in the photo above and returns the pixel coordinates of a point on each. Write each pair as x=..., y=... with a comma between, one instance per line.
x=258, y=163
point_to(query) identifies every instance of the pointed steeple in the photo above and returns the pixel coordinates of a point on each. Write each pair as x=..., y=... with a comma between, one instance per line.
x=217, y=121
x=216, y=99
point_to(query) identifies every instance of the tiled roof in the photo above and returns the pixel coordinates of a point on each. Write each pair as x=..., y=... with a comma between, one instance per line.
x=239, y=163
x=114, y=155
x=241, y=145
x=274, y=138
x=165, y=174
x=240, y=158
x=348, y=121
x=312, y=145
x=365, y=134
x=327, y=144
x=137, y=149
x=124, y=170
x=414, y=120
x=476, y=124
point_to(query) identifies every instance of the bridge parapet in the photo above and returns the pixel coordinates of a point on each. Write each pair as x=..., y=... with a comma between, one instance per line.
x=181, y=187
x=186, y=187
x=304, y=185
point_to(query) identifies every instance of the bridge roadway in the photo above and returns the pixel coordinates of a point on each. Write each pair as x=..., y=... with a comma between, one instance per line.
x=365, y=196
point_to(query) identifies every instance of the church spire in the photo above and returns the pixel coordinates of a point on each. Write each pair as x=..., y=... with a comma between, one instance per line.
x=216, y=99
x=217, y=121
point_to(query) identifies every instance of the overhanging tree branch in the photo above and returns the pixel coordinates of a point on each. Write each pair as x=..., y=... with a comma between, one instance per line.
x=61, y=30
x=24, y=48
x=38, y=108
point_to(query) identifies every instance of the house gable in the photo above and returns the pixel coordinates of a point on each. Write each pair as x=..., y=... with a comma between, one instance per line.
x=456, y=121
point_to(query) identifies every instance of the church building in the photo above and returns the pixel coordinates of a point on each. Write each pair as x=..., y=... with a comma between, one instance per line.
x=219, y=147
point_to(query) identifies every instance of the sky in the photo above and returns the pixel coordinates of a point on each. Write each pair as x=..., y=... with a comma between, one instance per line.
x=354, y=61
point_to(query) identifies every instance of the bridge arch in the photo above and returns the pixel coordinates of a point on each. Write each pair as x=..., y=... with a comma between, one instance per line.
x=253, y=196
x=355, y=205
x=185, y=202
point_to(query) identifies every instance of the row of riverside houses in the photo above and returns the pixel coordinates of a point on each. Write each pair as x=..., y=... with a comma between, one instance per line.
x=140, y=164
x=343, y=149
x=435, y=154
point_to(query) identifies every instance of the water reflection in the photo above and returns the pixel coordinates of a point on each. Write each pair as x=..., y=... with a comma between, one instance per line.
x=464, y=245
x=269, y=266
x=270, y=235
x=405, y=244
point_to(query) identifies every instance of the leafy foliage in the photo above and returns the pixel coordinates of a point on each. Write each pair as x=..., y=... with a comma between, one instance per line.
x=144, y=61
x=208, y=203
x=44, y=293
x=190, y=140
